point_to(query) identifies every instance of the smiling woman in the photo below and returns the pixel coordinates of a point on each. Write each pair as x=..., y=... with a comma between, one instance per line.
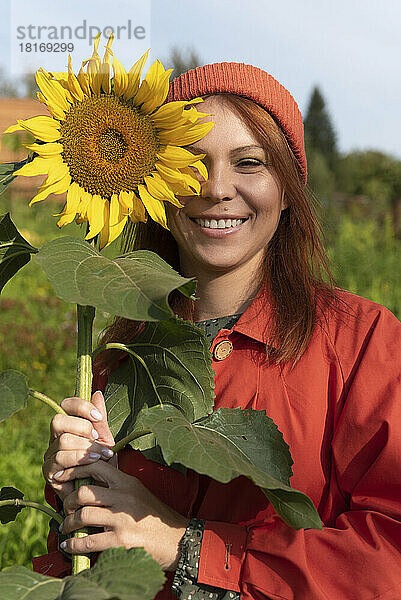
x=323, y=363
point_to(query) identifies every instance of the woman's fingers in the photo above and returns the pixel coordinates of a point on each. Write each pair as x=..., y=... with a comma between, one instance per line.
x=88, y=516
x=88, y=495
x=100, y=471
x=102, y=426
x=64, y=423
x=96, y=542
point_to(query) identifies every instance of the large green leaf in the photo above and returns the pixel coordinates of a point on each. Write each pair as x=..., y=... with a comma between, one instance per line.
x=173, y=364
x=212, y=447
x=135, y=286
x=9, y=513
x=118, y=574
x=19, y=583
x=13, y=393
x=15, y=251
x=125, y=574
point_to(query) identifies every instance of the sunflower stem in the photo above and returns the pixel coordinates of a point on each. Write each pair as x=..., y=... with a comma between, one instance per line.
x=85, y=317
x=129, y=438
x=28, y=503
x=43, y=398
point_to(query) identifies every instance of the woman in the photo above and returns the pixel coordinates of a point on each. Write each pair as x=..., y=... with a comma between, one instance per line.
x=322, y=362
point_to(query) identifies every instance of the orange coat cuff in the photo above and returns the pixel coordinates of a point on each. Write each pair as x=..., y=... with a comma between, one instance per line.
x=222, y=555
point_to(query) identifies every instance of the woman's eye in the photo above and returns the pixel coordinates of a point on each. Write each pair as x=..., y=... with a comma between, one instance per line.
x=253, y=162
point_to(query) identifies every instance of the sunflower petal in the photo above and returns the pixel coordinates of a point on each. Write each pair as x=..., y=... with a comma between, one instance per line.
x=73, y=83
x=44, y=128
x=57, y=171
x=180, y=190
x=160, y=189
x=186, y=134
x=117, y=218
x=71, y=206
x=126, y=199
x=52, y=90
x=170, y=111
x=104, y=234
x=59, y=187
x=106, y=66
x=38, y=166
x=65, y=219
x=134, y=76
x=46, y=150
x=154, y=88
x=201, y=167
x=188, y=181
x=96, y=216
x=41, y=97
x=83, y=206
x=138, y=211
x=120, y=77
x=174, y=156
x=155, y=208
x=94, y=68
x=83, y=79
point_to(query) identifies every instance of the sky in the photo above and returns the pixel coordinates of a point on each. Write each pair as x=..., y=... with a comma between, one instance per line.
x=351, y=49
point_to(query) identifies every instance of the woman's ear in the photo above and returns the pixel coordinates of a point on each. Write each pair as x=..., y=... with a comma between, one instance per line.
x=284, y=202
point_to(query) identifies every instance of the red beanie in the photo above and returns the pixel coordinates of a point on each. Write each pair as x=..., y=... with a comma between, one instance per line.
x=253, y=83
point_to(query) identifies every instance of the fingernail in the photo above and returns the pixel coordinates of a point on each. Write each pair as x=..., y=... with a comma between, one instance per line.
x=107, y=452
x=94, y=455
x=58, y=474
x=61, y=528
x=95, y=434
x=96, y=414
x=63, y=545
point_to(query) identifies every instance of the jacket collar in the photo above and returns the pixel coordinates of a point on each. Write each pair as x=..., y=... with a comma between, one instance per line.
x=254, y=320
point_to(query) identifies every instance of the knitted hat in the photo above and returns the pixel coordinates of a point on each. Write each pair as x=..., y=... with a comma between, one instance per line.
x=253, y=83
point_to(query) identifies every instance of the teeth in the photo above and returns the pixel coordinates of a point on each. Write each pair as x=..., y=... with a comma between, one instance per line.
x=220, y=224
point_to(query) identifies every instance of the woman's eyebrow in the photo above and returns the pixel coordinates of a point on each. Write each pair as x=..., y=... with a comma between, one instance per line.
x=192, y=148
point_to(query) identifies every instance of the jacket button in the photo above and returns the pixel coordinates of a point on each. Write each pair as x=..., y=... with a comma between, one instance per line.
x=222, y=350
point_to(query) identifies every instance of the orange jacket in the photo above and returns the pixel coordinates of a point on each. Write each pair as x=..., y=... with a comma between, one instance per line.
x=339, y=409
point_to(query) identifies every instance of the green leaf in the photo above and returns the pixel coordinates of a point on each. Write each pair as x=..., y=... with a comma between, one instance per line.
x=212, y=448
x=13, y=393
x=9, y=513
x=19, y=583
x=178, y=371
x=135, y=286
x=118, y=574
x=7, y=170
x=124, y=574
x=15, y=251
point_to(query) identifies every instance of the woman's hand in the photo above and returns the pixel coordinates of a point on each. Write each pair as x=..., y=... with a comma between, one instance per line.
x=81, y=437
x=129, y=513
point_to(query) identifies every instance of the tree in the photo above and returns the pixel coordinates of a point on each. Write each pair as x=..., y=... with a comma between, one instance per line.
x=8, y=89
x=30, y=85
x=378, y=177
x=319, y=131
x=180, y=63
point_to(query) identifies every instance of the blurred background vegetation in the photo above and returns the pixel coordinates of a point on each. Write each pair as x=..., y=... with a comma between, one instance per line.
x=359, y=194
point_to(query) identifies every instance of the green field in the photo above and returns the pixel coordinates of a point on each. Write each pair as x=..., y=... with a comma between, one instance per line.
x=37, y=337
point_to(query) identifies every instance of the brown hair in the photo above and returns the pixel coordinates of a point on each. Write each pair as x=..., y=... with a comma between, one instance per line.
x=295, y=266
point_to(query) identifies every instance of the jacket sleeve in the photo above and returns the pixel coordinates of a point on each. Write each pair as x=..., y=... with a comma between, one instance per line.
x=359, y=555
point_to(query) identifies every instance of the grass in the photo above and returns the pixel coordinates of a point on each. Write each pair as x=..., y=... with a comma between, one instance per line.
x=37, y=333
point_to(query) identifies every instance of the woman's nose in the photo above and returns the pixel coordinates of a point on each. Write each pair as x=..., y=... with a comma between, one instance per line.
x=219, y=185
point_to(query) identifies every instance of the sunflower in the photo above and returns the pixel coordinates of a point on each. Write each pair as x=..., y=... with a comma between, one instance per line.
x=113, y=144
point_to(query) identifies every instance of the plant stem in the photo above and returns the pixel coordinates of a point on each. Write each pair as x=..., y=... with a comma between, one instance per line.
x=46, y=509
x=43, y=398
x=85, y=317
x=132, y=436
